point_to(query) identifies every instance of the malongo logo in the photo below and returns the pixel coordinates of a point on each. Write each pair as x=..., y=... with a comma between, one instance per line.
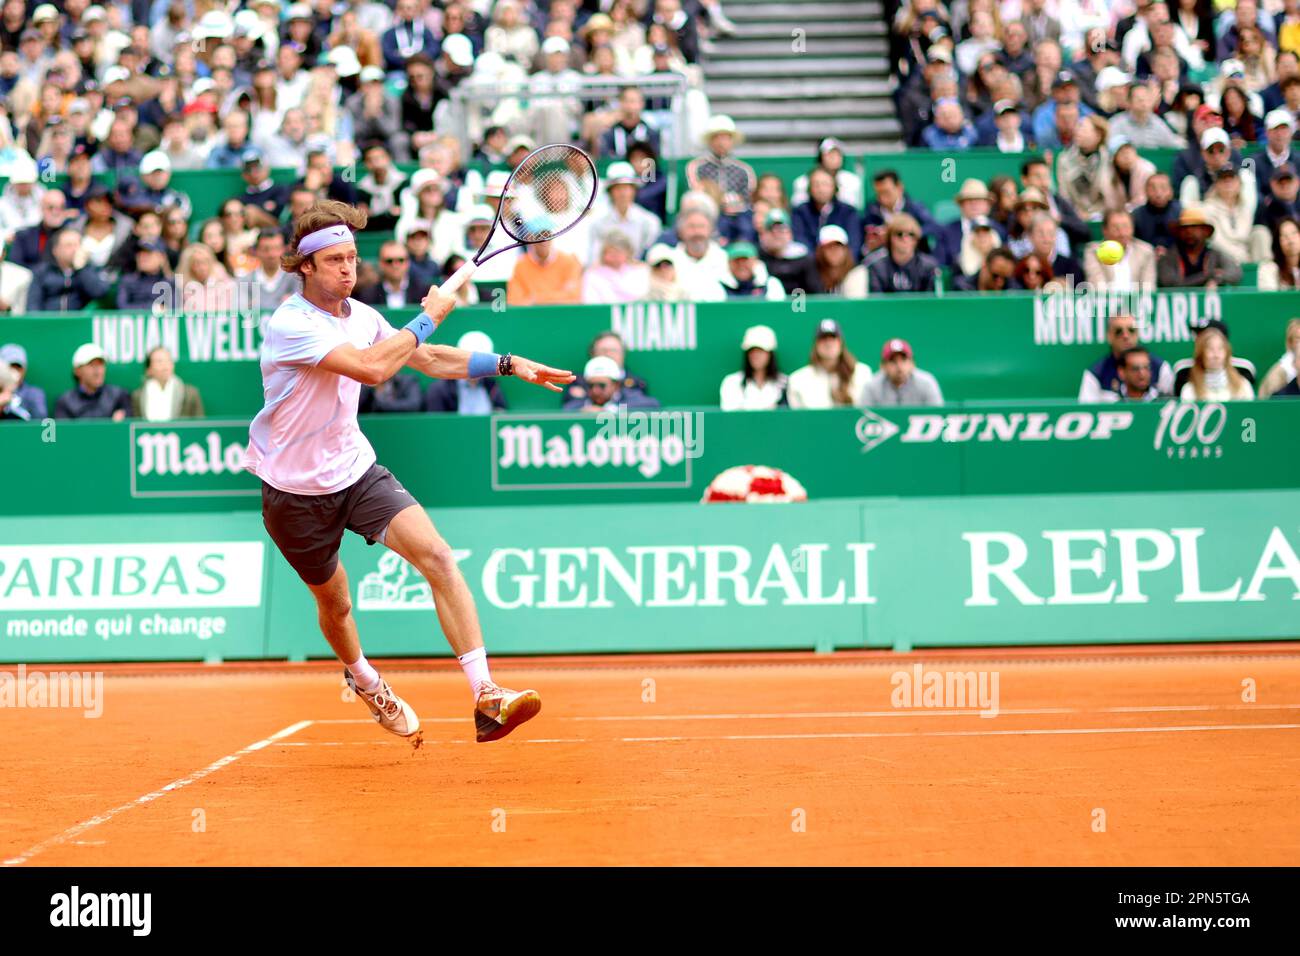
x=189, y=460
x=873, y=429
x=623, y=449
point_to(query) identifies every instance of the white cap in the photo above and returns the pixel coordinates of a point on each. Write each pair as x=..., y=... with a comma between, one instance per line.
x=345, y=60
x=22, y=170
x=1111, y=77
x=214, y=23
x=94, y=12
x=520, y=142
x=459, y=50
x=116, y=74
x=1215, y=134
x=1232, y=67
x=660, y=252
x=475, y=342
x=495, y=184
x=621, y=173
x=1279, y=117
x=202, y=85
x=602, y=366
x=425, y=177
x=555, y=45
x=371, y=74
x=481, y=212
x=155, y=161
x=298, y=11
x=46, y=11
x=832, y=234
x=86, y=354
x=759, y=337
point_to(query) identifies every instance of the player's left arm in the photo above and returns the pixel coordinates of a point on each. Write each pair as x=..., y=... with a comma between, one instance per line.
x=447, y=361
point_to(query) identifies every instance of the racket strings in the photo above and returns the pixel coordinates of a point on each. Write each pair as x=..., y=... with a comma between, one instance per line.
x=549, y=192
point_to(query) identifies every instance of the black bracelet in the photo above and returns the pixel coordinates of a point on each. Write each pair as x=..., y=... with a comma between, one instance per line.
x=505, y=365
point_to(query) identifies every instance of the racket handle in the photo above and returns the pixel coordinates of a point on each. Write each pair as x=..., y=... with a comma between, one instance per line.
x=459, y=278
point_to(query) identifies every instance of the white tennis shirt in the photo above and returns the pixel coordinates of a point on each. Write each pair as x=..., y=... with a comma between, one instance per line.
x=306, y=440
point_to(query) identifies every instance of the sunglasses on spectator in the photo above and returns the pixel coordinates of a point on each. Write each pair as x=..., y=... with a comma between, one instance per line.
x=390, y=260
x=1126, y=329
x=907, y=235
x=600, y=385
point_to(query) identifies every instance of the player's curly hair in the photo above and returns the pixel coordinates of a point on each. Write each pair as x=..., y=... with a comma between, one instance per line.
x=319, y=215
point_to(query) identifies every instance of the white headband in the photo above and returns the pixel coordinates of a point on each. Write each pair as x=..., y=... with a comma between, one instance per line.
x=323, y=238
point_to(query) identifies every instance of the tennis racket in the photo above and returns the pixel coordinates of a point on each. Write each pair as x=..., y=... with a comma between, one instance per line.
x=545, y=196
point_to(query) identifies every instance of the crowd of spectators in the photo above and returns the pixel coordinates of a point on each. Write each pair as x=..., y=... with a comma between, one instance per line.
x=1078, y=87
x=101, y=105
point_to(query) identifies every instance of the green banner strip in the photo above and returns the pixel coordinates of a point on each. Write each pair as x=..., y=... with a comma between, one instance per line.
x=980, y=347
x=605, y=579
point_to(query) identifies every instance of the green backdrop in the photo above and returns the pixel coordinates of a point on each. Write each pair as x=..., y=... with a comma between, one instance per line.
x=452, y=461
x=980, y=347
x=675, y=577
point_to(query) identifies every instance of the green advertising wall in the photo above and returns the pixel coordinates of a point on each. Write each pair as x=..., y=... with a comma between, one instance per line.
x=452, y=461
x=896, y=573
x=980, y=347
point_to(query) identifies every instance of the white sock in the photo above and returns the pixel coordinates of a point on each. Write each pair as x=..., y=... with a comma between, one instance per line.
x=364, y=674
x=475, y=666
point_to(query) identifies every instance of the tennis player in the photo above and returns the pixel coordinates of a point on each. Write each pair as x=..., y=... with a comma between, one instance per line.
x=319, y=473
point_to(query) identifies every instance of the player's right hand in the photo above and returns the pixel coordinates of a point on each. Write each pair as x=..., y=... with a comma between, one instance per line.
x=436, y=305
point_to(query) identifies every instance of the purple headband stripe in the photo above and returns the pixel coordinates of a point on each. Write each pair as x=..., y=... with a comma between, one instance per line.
x=323, y=238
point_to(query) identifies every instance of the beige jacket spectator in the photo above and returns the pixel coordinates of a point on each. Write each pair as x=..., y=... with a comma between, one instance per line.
x=15, y=280
x=1230, y=207
x=511, y=35
x=1137, y=268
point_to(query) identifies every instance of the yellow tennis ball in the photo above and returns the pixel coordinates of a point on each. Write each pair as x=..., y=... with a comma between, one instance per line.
x=1110, y=252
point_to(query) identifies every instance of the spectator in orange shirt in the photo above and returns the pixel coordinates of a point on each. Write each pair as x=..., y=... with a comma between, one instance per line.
x=543, y=276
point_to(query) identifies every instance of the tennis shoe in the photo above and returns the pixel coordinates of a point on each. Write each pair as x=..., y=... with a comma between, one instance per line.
x=498, y=711
x=390, y=711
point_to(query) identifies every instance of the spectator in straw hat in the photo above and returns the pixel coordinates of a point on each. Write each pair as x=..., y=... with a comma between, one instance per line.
x=760, y=384
x=974, y=201
x=734, y=179
x=1192, y=261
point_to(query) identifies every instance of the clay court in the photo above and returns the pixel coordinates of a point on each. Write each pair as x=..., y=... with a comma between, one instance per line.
x=714, y=770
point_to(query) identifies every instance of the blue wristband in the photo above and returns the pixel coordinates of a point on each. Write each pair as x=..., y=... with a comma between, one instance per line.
x=483, y=364
x=421, y=327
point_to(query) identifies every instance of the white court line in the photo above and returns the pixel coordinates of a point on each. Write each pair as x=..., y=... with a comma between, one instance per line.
x=930, y=712
x=895, y=712
x=972, y=733
x=80, y=828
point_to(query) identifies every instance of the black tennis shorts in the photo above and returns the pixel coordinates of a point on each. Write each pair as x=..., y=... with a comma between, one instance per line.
x=308, y=529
